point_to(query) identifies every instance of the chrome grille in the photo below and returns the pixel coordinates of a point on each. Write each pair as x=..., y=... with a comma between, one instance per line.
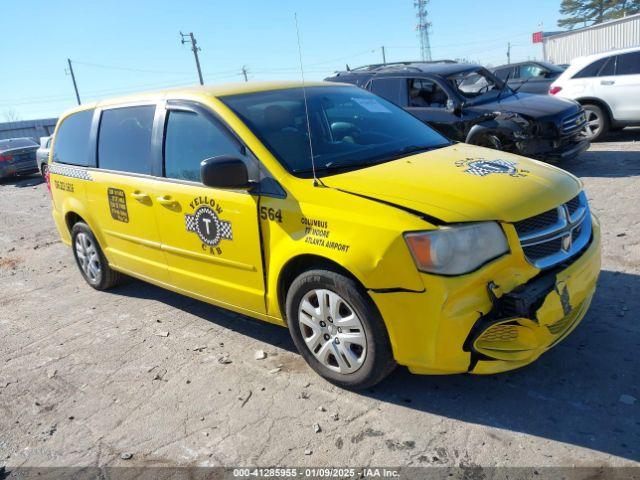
x=556, y=235
x=573, y=123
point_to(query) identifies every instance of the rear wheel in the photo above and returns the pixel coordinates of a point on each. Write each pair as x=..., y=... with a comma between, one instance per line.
x=598, y=123
x=91, y=261
x=338, y=330
x=44, y=170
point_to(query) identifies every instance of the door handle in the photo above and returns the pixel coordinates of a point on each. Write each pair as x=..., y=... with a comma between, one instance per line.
x=166, y=200
x=607, y=82
x=140, y=196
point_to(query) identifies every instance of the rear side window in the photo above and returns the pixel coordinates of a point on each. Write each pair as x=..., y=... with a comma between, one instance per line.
x=593, y=69
x=629, y=64
x=124, y=140
x=72, y=140
x=389, y=88
x=191, y=138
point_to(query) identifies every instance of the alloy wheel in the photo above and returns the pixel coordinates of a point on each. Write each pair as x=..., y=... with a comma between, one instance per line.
x=332, y=331
x=88, y=257
x=594, y=124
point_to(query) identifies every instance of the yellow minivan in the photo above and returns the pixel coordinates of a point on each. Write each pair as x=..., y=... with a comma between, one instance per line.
x=329, y=210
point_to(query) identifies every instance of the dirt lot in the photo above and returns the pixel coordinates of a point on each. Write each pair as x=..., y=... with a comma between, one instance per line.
x=85, y=376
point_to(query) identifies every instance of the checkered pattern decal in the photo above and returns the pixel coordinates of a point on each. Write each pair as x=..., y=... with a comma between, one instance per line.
x=224, y=227
x=222, y=230
x=477, y=168
x=70, y=171
x=225, y=230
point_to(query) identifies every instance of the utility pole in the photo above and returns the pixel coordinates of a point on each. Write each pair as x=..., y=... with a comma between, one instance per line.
x=384, y=57
x=195, y=49
x=423, y=27
x=509, y=53
x=73, y=78
x=244, y=73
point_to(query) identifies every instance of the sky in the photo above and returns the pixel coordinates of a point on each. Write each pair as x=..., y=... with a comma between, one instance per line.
x=120, y=47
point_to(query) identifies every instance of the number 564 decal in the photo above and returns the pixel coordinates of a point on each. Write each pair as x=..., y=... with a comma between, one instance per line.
x=271, y=214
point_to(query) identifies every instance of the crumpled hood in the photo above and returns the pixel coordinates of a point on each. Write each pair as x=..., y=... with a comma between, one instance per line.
x=530, y=105
x=463, y=183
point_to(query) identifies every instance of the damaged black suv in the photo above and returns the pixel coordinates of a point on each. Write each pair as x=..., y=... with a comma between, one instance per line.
x=468, y=103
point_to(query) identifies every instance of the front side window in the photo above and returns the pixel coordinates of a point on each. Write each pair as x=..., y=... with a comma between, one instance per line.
x=72, y=139
x=426, y=93
x=628, y=64
x=124, y=139
x=350, y=128
x=191, y=138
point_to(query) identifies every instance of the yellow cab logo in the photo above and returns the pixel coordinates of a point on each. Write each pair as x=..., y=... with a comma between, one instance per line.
x=207, y=225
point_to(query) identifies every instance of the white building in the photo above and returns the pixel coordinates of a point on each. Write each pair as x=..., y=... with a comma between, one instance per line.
x=563, y=47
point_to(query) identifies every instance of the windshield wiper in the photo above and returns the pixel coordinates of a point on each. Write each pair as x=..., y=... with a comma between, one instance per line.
x=505, y=86
x=521, y=85
x=336, y=166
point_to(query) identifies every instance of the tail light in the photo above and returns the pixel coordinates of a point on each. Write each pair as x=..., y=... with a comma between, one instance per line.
x=554, y=90
x=6, y=158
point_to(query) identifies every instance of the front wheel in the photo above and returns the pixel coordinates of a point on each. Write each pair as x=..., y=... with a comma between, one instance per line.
x=597, y=124
x=338, y=330
x=488, y=140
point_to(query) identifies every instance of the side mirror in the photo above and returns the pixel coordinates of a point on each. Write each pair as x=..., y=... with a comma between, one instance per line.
x=453, y=107
x=224, y=172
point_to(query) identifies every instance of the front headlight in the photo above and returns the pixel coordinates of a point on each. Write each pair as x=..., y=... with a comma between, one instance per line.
x=457, y=250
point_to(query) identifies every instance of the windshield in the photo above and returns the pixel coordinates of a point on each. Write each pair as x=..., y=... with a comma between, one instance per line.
x=478, y=85
x=350, y=128
x=17, y=143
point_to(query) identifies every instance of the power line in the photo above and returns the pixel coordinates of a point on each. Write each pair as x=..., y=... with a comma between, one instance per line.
x=126, y=69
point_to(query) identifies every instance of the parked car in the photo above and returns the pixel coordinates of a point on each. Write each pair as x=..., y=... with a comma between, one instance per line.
x=17, y=157
x=468, y=103
x=529, y=77
x=333, y=212
x=42, y=154
x=608, y=87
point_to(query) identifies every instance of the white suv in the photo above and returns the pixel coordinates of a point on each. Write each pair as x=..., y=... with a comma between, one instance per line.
x=608, y=87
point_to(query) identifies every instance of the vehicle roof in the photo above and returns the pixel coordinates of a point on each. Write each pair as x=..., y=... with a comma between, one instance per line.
x=219, y=90
x=596, y=56
x=445, y=68
x=579, y=62
x=517, y=64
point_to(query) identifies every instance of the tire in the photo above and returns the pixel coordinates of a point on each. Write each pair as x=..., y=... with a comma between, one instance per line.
x=91, y=262
x=488, y=140
x=44, y=169
x=598, y=123
x=357, y=359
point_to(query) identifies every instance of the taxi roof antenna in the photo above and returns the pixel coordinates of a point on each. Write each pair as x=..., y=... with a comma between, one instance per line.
x=316, y=181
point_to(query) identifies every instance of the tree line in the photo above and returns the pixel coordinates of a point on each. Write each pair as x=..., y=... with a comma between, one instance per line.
x=591, y=12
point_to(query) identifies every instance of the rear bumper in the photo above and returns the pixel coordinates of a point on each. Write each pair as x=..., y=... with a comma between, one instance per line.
x=455, y=326
x=21, y=168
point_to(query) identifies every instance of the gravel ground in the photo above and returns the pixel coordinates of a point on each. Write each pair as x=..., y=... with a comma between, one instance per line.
x=88, y=376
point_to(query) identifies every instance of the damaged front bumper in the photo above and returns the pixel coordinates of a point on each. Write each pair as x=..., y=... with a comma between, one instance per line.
x=497, y=319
